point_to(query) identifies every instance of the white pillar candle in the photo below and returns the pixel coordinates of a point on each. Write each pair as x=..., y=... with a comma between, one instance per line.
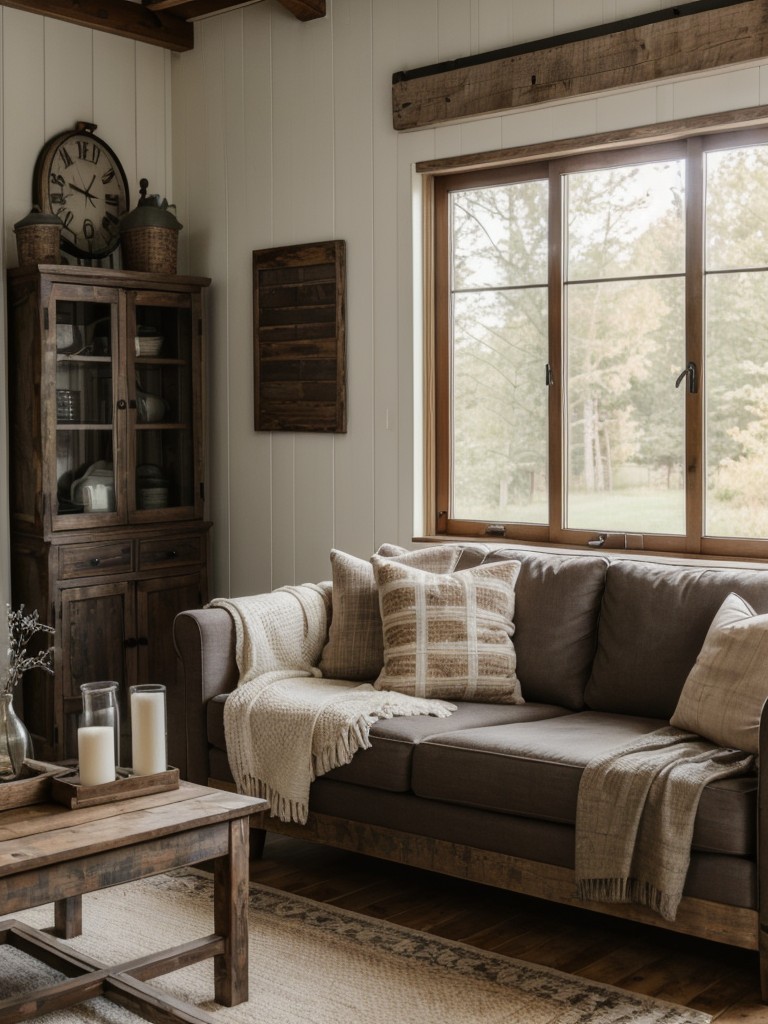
x=148, y=731
x=96, y=753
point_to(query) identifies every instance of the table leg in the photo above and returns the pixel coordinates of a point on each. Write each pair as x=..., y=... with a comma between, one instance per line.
x=68, y=917
x=231, y=917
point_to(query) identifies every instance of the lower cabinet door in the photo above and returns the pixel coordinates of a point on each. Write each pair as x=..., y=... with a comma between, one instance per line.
x=158, y=602
x=98, y=642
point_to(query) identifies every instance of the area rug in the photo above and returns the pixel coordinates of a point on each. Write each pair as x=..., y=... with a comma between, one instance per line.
x=314, y=964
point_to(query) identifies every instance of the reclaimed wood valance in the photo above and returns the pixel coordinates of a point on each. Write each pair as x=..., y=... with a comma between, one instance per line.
x=676, y=41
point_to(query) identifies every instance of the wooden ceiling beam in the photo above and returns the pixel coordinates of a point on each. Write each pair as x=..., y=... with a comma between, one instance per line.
x=134, y=21
x=305, y=10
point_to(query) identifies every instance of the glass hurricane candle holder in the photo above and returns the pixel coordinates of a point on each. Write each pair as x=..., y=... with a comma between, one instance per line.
x=101, y=707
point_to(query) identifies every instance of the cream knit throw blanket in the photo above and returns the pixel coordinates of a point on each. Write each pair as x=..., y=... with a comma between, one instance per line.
x=284, y=724
x=635, y=815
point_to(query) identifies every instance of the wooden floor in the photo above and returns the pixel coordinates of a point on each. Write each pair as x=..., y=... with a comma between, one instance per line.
x=716, y=979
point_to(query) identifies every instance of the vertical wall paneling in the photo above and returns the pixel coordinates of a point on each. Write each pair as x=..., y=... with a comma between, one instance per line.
x=354, y=166
x=114, y=103
x=249, y=210
x=303, y=191
x=68, y=72
x=152, y=121
x=246, y=74
x=454, y=29
x=529, y=21
x=388, y=19
x=208, y=150
x=495, y=20
x=23, y=123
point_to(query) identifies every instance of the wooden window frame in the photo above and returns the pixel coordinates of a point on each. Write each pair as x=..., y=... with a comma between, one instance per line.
x=533, y=162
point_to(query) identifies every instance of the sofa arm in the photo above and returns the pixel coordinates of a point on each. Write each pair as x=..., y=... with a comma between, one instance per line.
x=205, y=646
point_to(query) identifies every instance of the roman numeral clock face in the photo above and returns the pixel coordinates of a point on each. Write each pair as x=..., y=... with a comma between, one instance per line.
x=79, y=179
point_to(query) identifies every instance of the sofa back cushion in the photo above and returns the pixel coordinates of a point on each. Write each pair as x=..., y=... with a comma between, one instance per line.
x=556, y=616
x=653, y=622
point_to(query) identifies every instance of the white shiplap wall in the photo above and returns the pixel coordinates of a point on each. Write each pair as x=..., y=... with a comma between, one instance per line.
x=53, y=75
x=283, y=134
x=280, y=132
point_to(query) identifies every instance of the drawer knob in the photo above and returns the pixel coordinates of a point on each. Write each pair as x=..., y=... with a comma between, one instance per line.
x=171, y=554
x=95, y=562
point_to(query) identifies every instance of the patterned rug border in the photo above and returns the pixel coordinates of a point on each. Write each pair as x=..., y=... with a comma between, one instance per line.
x=580, y=995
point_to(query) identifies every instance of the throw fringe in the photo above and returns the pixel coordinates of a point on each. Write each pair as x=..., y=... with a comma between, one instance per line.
x=628, y=890
x=353, y=737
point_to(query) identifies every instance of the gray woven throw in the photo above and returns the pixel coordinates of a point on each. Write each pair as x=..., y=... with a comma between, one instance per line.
x=635, y=814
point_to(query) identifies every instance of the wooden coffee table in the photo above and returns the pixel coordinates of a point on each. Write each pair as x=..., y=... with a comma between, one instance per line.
x=50, y=854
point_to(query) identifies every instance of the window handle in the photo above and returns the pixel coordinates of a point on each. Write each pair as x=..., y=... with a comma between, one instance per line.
x=690, y=373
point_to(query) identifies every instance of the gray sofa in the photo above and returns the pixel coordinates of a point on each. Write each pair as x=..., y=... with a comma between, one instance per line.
x=604, y=645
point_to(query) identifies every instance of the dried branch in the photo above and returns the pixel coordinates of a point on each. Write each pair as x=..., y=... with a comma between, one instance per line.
x=21, y=629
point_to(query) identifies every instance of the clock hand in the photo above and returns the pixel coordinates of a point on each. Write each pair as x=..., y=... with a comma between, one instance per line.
x=84, y=191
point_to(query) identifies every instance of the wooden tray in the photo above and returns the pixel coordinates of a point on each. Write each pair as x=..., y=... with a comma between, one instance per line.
x=33, y=787
x=68, y=790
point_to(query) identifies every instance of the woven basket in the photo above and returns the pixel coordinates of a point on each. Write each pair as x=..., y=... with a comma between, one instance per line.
x=38, y=243
x=151, y=249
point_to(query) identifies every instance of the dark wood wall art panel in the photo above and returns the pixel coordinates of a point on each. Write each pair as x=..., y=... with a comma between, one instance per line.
x=299, y=337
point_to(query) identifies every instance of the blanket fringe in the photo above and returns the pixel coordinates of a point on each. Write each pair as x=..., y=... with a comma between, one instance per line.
x=628, y=890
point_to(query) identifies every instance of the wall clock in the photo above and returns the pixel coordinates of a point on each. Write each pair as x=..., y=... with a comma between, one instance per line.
x=79, y=179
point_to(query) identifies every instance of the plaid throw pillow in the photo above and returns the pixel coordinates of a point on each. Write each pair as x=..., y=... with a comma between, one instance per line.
x=449, y=636
x=355, y=649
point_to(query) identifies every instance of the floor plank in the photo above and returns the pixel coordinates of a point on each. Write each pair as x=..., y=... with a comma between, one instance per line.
x=716, y=979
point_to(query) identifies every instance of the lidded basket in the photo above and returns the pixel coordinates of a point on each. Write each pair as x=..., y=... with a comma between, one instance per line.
x=38, y=238
x=149, y=235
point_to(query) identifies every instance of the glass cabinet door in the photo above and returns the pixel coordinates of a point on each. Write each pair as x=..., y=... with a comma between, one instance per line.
x=164, y=364
x=84, y=335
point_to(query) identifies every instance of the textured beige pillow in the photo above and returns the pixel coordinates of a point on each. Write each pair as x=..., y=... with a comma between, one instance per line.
x=355, y=648
x=726, y=688
x=449, y=636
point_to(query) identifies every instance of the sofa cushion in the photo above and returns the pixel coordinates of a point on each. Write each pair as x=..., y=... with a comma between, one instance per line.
x=727, y=687
x=653, y=622
x=557, y=605
x=355, y=647
x=533, y=769
x=386, y=764
x=448, y=635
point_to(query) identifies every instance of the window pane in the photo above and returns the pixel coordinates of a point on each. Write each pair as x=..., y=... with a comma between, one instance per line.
x=736, y=456
x=500, y=406
x=737, y=208
x=626, y=427
x=625, y=221
x=500, y=236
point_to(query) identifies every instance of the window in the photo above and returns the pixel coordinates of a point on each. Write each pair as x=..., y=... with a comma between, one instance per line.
x=601, y=357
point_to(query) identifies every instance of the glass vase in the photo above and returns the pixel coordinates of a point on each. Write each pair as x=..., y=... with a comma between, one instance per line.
x=15, y=741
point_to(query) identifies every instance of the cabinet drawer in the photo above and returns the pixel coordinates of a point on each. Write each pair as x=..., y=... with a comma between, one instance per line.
x=169, y=551
x=77, y=560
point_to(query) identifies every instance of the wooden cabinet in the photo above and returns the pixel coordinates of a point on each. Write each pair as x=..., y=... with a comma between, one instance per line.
x=109, y=537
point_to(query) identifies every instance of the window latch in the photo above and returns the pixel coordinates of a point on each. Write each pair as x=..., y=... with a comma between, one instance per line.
x=549, y=377
x=690, y=373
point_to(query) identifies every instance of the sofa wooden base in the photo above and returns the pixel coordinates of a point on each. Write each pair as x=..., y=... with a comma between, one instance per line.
x=716, y=922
